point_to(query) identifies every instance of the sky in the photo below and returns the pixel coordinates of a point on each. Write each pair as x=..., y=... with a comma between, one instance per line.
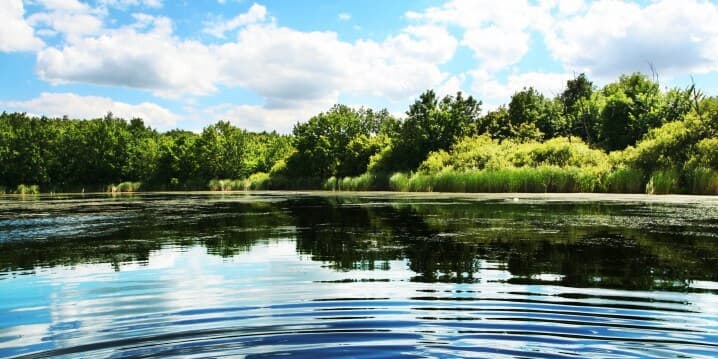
x=267, y=65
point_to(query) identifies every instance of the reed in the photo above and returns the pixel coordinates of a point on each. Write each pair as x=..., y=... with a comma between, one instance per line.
x=257, y=181
x=512, y=179
x=625, y=180
x=125, y=187
x=27, y=189
x=663, y=182
x=703, y=181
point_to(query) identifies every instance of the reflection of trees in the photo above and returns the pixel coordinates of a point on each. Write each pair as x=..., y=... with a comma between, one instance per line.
x=352, y=235
x=586, y=244
x=344, y=234
x=132, y=232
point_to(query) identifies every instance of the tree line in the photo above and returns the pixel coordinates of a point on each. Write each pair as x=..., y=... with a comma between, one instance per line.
x=71, y=155
x=627, y=136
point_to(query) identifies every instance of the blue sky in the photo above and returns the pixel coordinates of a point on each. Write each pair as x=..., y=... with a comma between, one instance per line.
x=266, y=65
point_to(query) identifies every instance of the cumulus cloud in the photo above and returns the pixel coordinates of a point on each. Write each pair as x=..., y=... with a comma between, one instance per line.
x=15, y=33
x=284, y=66
x=345, y=16
x=261, y=118
x=71, y=18
x=86, y=107
x=296, y=73
x=613, y=37
x=256, y=14
x=150, y=59
x=496, y=92
x=124, y=4
x=451, y=86
x=498, y=33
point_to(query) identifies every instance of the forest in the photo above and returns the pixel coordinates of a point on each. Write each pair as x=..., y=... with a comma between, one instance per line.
x=629, y=136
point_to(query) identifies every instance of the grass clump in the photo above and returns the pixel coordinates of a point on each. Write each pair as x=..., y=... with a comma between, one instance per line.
x=27, y=189
x=364, y=182
x=663, y=182
x=257, y=181
x=125, y=187
x=512, y=179
x=625, y=180
x=225, y=185
x=704, y=181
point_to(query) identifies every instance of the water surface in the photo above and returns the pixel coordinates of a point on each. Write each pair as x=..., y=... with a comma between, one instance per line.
x=360, y=275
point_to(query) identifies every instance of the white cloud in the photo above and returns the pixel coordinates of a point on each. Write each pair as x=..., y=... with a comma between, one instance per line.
x=292, y=71
x=71, y=18
x=495, y=93
x=256, y=14
x=496, y=47
x=345, y=16
x=260, y=118
x=124, y=4
x=498, y=33
x=451, y=86
x=86, y=107
x=614, y=37
x=284, y=66
x=15, y=33
x=152, y=60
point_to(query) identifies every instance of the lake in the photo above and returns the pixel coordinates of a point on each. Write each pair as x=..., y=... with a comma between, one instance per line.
x=358, y=275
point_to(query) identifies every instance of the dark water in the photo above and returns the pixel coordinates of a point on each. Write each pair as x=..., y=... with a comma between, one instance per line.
x=367, y=275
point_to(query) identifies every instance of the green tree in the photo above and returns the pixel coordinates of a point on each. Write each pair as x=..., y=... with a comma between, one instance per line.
x=633, y=106
x=528, y=106
x=221, y=150
x=578, y=108
x=433, y=125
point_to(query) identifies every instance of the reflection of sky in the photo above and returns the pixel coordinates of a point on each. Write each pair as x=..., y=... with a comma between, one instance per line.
x=68, y=305
x=183, y=289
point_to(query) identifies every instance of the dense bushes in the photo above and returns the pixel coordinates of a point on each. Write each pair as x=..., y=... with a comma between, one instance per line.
x=77, y=155
x=629, y=136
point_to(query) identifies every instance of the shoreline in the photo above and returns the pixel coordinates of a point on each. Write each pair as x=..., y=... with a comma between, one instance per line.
x=513, y=196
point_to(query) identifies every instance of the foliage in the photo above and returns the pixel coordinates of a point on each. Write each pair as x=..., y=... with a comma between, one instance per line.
x=523, y=179
x=432, y=124
x=628, y=136
x=27, y=189
x=337, y=143
x=125, y=187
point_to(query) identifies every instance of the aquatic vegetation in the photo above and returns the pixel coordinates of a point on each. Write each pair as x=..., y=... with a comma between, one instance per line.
x=125, y=187
x=27, y=189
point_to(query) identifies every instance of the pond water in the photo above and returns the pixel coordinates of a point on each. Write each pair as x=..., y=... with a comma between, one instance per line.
x=358, y=275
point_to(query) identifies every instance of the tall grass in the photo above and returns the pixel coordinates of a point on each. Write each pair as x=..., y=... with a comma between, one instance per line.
x=257, y=181
x=512, y=179
x=703, y=181
x=27, y=189
x=365, y=182
x=125, y=187
x=625, y=180
x=225, y=185
x=663, y=182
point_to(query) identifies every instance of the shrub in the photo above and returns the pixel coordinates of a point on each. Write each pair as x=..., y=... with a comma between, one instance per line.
x=399, y=182
x=125, y=187
x=259, y=180
x=27, y=189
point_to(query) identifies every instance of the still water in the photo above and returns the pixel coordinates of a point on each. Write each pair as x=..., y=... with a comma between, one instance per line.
x=358, y=275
